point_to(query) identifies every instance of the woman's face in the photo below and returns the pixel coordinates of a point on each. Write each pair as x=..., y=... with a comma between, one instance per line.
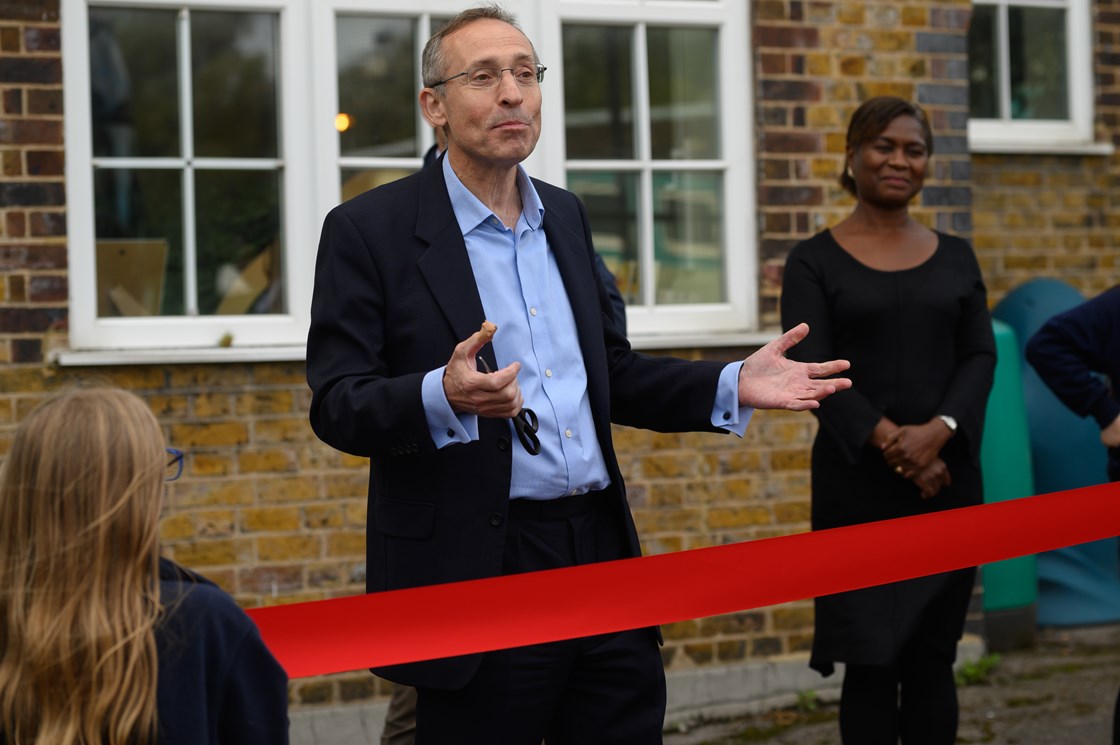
x=889, y=170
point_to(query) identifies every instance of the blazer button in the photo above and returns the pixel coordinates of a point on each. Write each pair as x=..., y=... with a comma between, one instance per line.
x=503, y=444
x=496, y=519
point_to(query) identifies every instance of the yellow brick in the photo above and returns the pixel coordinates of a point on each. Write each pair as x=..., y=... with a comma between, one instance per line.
x=346, y=544
x=212, y=493
x=914, y=15
x=792, y=618
x=323, y=516
x=214, y=523
x=215, y=434
x=893, y=41
x=135, y=378
x=211, y=553
x=287, y=373
x=270, y=519
x=818, y=65
x=346, y=485
x=872, y=89
x=283, y=430
x=738, y=517
x=354, y=513
x=286, y=548
x=265, y=402
x=23, y=380
x=209, y=464
x=792, y=512
x=1020, y=178
x=288, y=489
x=168, y=406
x=207, y=377
x=788, y=460
x=353, y=461
x=208, y=405
x=177, y=526
x=266, y=461
x=851, y=13
x=655, y=521
x=853, y=66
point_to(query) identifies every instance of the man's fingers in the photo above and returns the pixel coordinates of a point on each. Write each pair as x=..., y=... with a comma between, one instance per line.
x=791, y=338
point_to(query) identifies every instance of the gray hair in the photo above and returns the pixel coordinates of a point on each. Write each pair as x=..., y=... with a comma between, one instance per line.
x=433, y=65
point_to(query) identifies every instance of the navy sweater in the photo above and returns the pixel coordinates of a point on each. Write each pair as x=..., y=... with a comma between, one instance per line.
x=1071, y=353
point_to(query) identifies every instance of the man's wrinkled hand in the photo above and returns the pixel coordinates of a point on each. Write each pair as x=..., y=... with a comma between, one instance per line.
x=768, y=380
x=496, y=395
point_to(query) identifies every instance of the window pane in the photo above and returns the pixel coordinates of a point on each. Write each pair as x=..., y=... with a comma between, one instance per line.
x=239, y=267
x=598, y=91
x=612, y=198
x=134, y=90
x=688, y=240
x=357, y=180
x=983, y=62
x=683, y=81
x=377, y=70
x=139, y=227
x=233, y=61
x=1039, y=79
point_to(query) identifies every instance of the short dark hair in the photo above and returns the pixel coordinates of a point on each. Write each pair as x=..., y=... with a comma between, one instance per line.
x=872, y=117
x=433, y=66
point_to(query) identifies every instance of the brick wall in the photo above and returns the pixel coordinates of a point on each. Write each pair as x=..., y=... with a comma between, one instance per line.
x=275, y=516
x=816, y=62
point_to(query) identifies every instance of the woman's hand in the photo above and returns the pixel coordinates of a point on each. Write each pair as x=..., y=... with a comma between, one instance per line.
x=915, y=446
x=933, y=478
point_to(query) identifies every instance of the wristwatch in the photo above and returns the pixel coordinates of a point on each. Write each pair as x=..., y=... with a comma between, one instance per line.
x=950, y=422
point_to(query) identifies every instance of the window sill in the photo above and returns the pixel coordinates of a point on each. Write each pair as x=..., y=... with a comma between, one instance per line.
x=193, y=356
x=1041, y=148
x=232, y=355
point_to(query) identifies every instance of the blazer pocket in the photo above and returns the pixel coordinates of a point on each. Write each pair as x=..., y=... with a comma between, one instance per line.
x=401, y=519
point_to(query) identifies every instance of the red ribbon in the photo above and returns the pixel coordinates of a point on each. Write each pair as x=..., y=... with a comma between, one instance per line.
x=389, y=628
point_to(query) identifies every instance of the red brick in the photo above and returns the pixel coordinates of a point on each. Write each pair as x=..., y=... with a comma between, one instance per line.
x=41, y=39
x=32, y=257
x=30, y=131
x=48, y=224
x=45, y=163
x=787, y=36
x=31, y=320
x=27, y=350
x=44, y=101
x=15, y=226
x=44, y=70
x=13, y=101
x=37, y=11
x=47, y=289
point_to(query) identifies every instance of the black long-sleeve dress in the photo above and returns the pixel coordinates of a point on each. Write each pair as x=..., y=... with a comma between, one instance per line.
x=920, y=344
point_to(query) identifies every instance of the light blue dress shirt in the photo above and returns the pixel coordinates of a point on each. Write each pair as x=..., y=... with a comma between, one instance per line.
x=522, y=293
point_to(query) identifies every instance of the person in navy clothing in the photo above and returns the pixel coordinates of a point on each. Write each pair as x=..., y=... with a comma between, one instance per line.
x=1077, y=355
x=104, y=641
x=397, y=359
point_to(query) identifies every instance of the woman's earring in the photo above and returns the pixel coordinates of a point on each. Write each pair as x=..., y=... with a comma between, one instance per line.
x=849, y=172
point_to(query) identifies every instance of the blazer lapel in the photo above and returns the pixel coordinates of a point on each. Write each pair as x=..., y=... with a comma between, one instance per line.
x=446, y=266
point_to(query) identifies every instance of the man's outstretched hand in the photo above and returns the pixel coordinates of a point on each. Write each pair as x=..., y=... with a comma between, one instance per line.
x=768, y=380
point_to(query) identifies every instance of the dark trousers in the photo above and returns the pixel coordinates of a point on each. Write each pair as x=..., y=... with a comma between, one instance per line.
x=601, y=689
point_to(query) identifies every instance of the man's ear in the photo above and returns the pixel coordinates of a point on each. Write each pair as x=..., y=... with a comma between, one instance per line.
x=431, y=106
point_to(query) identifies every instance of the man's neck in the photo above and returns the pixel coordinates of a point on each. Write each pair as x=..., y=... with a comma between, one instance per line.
x=494, y=187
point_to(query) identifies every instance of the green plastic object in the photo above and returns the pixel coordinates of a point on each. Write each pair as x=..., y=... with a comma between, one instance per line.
x=1005, y=457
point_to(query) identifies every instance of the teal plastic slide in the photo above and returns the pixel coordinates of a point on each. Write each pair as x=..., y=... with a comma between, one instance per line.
x=1078, y=585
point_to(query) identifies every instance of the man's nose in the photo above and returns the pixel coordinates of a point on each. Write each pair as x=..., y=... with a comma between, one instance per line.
x=508, y=89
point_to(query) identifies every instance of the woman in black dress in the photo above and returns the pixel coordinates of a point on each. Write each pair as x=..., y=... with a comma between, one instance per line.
x=907, y=306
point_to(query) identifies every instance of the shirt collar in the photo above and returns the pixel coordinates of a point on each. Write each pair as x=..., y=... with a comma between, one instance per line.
x=470, y=212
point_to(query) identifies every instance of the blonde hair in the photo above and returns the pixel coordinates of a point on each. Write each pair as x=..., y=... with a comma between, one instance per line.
x=79, y=592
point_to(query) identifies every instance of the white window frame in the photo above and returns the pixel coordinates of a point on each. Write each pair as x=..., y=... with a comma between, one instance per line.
x=114, y=338
x=672, y=325
x=1012, y=135
x=309, y=153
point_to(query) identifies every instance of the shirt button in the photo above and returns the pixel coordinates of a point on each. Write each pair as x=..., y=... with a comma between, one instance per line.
x=726, y=415
x=568, y=433
x=533, y=311
x=496, y=519
x=548, y=372
x=450, y=432
x=503, y=444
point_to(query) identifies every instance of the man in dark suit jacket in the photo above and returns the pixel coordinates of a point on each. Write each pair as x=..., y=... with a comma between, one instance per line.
x=405, y=276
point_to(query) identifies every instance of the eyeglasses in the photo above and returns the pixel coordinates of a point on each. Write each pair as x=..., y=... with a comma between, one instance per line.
x=482, y=78
x=174, y=466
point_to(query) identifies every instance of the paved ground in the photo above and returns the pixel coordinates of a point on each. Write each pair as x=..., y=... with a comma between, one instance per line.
x=1061, y=692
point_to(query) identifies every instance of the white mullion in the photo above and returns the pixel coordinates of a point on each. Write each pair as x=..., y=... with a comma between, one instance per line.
x=186, y=133
x=643, y=136
x=1004, y=50
x=238, y=164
